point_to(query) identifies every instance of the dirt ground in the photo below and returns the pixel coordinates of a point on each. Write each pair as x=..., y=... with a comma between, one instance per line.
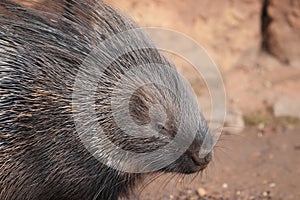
x=251, y=165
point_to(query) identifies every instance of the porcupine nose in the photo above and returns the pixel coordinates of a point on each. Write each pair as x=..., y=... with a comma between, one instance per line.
x=201, y=150
x=199, y=160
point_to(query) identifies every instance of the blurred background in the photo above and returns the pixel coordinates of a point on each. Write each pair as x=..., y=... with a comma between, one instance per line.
x=256, y=45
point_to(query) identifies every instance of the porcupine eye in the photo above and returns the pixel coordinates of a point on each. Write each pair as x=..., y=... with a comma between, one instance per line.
x=160, y=127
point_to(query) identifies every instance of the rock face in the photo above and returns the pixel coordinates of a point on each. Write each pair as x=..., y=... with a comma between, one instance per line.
x=234, y=121
x=287, y=107
x=229, y=29
x=283, y=31
x=232, y=31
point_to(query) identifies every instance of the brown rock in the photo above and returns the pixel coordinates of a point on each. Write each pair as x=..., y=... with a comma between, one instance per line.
x=287, y=107
x=201, y=192
x=235, y=121
x=227, y=29
x=284, y=30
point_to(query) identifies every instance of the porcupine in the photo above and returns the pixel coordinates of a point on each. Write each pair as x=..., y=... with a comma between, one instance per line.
x=42, y=51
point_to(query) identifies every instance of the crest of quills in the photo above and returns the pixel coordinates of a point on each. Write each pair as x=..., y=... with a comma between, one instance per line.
x=42, y=47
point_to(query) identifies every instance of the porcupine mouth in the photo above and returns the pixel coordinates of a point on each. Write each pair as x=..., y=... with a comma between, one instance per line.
x=196, y=167
x=193, y=167
x=186, y=165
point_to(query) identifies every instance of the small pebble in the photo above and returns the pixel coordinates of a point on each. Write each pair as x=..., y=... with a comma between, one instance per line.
x=261, y=126
x=266, y=193
x=271, y=156
x=256, y=154
x=201, y=192
x=260, y=134
x=272, y=185
x=189, y=191
x=225, y=185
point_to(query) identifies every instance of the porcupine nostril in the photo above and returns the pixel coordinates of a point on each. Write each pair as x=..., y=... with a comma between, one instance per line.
x=208, y=157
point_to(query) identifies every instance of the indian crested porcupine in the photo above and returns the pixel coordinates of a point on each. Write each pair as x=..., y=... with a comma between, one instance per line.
x=88, y=106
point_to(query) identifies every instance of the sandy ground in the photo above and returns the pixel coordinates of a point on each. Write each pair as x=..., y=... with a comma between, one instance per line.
x=250, y=165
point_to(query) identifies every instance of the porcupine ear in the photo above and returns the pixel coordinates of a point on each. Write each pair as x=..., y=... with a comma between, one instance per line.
x=139, y=109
